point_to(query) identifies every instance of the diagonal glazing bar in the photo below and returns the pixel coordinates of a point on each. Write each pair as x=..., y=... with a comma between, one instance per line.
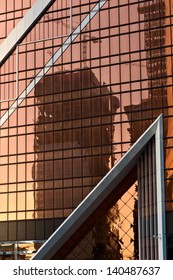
x=53, y=59
x=23, y=27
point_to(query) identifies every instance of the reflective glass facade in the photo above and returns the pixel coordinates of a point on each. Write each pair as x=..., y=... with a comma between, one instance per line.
x=83, y=110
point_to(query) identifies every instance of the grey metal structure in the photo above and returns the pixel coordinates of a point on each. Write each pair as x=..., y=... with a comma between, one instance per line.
x=106, y=187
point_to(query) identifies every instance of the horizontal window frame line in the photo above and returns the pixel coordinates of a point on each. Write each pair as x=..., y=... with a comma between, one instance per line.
x=52, y=60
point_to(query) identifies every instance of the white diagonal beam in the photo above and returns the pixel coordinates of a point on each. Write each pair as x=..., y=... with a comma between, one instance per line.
x=23, y=27
x=51, y=62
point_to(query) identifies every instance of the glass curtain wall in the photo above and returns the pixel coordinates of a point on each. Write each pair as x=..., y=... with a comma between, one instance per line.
x=99, y=96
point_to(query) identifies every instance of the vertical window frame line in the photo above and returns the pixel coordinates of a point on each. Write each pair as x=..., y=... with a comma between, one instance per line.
x=63, y=205
x=130, y=63
x=53, y=134
x=170, y=18
x=72, y=108
x=162, y=50
x=44, y=160
x=120, y=78
x=111, y=92
x=140, y=56
x=100, y=102
x=81, y=135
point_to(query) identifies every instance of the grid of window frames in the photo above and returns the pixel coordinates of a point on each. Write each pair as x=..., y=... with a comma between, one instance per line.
x=84, y=114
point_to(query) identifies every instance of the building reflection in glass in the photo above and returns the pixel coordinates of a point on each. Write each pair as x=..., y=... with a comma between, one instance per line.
x=77, y=138
x=155, y=39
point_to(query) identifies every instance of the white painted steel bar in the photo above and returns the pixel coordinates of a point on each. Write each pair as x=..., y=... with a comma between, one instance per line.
x=154, y=200
x=160, y=186
x=71, y=16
